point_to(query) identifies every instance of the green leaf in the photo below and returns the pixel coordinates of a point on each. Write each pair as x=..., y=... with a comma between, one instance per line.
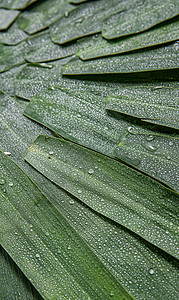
x=11, y=56
x=40, y=48
x=59, y=263
x=158, y=105
x=7, y=17
x=140, y=17
x=94, y=47
x=126, y=255
x=16, y=4
x=34, y=78
x=7, y=80
x=109, y=188
x=86, y=19
x=78, y=116
x=13, y=282
x=41, y=15
x=153, y=154
x=13, y=36
x=163, y=58
x=77, y=1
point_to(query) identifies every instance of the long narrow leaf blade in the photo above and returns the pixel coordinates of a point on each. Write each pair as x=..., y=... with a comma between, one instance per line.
x=155, y=105
x=41, y=15
x=65, y=267
x=153, y=154
x=40, y=48
x=163, y=58
x=11, y=56
x=82, y=118
x=109, y=188
x=7, y=17
x=32, y=79
x=13, y=36
x=16, y=4
x=13, y=281
x=86, y=19
x=122, y=252
x=94, y=47
x=139, y=18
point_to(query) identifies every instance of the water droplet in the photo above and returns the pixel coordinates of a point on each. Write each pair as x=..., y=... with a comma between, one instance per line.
x=130, y=129
x=37, y=255
x=91, y=171
x=170, y=143
x=51, y=152
x=66, y=14
x=71, y=202
x=2, y=181
x=7, y=153
x=69, y=247
x=79, y=191
x=176, y=46
x=111, y=293
x=80, y=20
x=150, y=138
x=11, y=183
x=150, y=147
x=151, y=271
x=157, y=87
x=15, y=233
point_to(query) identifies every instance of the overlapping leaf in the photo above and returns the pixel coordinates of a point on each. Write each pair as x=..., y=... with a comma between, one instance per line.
x=140, y=17
x=7, y=80
x=7, y=17
x=152, y=154
x=124, y=254
x=33, y=78
x=40, y=48
x=163, y=58
x=11, y=56
x=97, y=46
x=109, y=188
x=13, y=35
x=63, y=266
x=158, y=105
x=13, y=281
x=86, y=19
x=42, y=15
x=16, y=4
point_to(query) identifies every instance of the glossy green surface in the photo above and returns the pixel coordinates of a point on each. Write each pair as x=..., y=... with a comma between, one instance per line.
x=152, y=154
x=13, y=282
x=143, y=15
x=11, y=56
x=81, y=113
x=98, y=46
x=7, y=17
x=81, y=117
x=86, y=19
x=122, y=252
x=163, y=58
x=109, y=188
x=34, y=78
x=7, y=80
x=40, y=48
x=158, y=105
x=13, y=35
x=56, y=268
x=16, y=4
x=40, y=16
